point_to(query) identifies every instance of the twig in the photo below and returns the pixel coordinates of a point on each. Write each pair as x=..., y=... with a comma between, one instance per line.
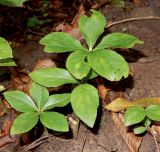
x=133, y=19
x=155, y=140
x=35, y=143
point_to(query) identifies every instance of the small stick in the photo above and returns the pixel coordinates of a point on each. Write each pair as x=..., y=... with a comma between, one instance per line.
x=133, y=19
x=155, y=140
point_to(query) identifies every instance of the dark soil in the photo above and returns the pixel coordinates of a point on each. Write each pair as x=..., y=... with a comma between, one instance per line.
x=143, y=82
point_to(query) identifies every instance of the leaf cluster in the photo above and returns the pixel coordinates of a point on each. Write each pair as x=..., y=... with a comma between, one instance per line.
x=141, y=118
x=12, y=3
x=37, y=107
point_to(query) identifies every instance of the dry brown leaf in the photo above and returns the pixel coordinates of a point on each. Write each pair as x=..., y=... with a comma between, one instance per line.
x=6, y=140
x=6, y=129
x=122, y=104
x=132, y=141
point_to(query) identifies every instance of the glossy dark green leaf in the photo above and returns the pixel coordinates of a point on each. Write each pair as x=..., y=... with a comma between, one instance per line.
x=54, y=121
x=39, y=94
x=76, y=65
x=52, y=77
x=139, y=129
x=24, y=122
x=108, y=64
x=5, y=49
x=57, y=100
x=134, y=115
x=12, y=3
x=58, y=42
x=20, y=101
x=7, y=62
x=118, y=40
x=85, y=101
x=92, y=27
x=153, y=112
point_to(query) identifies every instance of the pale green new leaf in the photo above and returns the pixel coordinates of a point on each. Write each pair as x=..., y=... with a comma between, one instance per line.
x=118, y=40
x=85, y=101
x=24, y=122
x=76, y=65
x=134, y=115
x=139, y=129
x=92, y=27
x=39, y=94
x=5, y=49
x=108, y=64
x=20, y=101
x=58, y=42
x=153, y=112
x=57, y=100
x=52, y=77
x=7, y=62
x=54, y=121
x=12, y=3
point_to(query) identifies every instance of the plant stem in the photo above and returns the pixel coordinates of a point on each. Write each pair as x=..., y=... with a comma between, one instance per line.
x=132, y=19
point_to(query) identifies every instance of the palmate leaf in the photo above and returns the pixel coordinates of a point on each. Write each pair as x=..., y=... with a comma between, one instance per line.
x=20, y=101
x=57, y=100
x=54, y=121
x=118, y=40
x=92, y=27
x=39, y=94
x=58, y=42
x=12, y=3
x=108, y=64
x=24, y=122
x=122, y=104
x=5, y=49
x=134, y=115
x=153, y=112
x=85, y=101
x=52, y=77
x=76, y=65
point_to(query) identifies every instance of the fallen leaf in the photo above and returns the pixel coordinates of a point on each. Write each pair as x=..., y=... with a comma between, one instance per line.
x=120, y=104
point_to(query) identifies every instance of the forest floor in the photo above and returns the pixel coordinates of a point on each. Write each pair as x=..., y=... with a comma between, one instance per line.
x=144, y=80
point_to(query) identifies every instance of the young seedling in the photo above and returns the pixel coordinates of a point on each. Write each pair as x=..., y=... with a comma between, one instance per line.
x=139, y=114
x=140, y=119
x=86, y=63
x=37, y=107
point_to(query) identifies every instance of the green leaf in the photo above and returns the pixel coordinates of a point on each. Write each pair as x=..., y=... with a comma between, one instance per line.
x=39, y=94
x=139, y=129
x=54, y=121
x=57, y=100
x=76, y=64
x=58, y=42
x=85, y=101
x=108, y=64
x=12, y=3
x=20, y=101
x=153, y=112
x=92, y=27
x=134, y=115
x=5, y=49
x=147, y=122
x=7, y=62
x=52, y=77
x=24, y=122
x=118, y=40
